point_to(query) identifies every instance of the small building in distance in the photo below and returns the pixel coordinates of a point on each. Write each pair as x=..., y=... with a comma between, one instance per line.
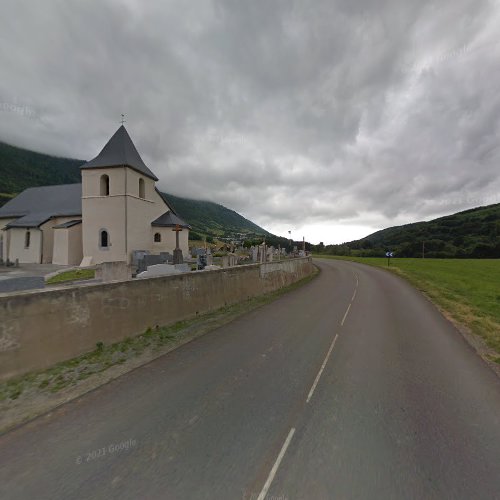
x=115, y=210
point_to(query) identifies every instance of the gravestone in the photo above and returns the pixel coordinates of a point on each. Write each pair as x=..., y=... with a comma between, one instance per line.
x=167, y=257
x=158, y=270
x=254, y=254
x=153, y=259
x=270, y=253
x=262, y=253
x=137, y=256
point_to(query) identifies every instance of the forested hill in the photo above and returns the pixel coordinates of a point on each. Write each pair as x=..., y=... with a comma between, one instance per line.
x=219, y=220
x=473, y=233
x=21, y=169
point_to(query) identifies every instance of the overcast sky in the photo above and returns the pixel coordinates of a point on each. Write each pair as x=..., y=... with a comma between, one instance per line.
x=329, y=118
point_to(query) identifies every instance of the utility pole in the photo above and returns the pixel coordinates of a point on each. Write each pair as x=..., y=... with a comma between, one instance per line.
x=423, y=249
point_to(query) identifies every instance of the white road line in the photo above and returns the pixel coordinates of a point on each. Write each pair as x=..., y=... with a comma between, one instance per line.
x=270, y=478
x=345, y=315
x=354, y=295
x=311, y=392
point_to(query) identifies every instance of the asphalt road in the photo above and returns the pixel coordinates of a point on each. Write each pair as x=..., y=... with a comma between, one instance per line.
x=352, y=386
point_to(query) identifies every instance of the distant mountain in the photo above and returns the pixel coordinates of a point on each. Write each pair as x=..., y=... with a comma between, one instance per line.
x=21, y=169
x=473, y=233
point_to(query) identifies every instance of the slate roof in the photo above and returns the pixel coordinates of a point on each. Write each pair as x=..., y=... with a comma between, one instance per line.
x=70, y=223
x=169, y=219
x=34, y=206
x=118, y=152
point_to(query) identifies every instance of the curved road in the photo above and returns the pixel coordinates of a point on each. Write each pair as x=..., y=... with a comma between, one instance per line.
x=352, y=386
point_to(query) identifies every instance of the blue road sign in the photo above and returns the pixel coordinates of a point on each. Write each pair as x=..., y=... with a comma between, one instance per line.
x=389, y=254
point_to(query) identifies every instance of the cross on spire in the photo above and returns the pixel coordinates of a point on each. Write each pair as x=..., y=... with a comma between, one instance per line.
x=123, y=119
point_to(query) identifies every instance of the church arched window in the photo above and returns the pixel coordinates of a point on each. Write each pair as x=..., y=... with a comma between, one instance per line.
x=157, y=238
x=104, y=239
x=142, y=189
x=104, y=185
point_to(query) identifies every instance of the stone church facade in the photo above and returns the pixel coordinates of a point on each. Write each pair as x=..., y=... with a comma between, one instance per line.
x=115, y=210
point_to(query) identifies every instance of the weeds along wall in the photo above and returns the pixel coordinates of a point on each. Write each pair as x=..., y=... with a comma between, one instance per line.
x=41, y=328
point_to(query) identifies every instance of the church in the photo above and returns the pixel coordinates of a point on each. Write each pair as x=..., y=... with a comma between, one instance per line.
x=116, y=210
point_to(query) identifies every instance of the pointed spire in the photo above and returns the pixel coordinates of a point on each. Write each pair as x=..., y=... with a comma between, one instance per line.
x=119, y=152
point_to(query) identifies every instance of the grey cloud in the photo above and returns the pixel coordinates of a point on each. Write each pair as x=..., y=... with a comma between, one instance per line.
x=327, y=114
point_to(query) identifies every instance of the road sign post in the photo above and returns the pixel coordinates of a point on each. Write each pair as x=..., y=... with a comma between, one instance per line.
x=389, y=255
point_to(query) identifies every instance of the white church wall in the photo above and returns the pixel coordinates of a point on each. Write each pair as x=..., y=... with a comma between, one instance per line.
x=68, y=246
x=126, y=218
x=4, y=237
x=48, y=237
x=47, y=241
x=167, y=243
x=133, y=178
x=91, y=181
x=139, y=224
x=103, y=213
x=17, y=247
x=60, y=254
x=75, y=247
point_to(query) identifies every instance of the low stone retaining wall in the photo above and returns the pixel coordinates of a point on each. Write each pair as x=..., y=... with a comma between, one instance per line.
x=41, y=328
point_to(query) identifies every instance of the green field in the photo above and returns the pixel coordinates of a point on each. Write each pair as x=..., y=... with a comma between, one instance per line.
x=467, y=289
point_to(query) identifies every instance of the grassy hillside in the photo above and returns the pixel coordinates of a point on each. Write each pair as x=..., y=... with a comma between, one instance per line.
x=21, y=169
x=466, y=288
x=473, y=233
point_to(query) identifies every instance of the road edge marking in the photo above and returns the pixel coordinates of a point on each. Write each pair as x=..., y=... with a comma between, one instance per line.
x=276, y=465
x=313, y=388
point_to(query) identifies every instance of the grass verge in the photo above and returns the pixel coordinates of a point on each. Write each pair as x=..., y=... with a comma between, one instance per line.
x=466, y=289
x=32, y=394
x=72, y=275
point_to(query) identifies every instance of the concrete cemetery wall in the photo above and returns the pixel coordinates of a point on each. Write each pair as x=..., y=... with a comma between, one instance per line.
x=38, y=329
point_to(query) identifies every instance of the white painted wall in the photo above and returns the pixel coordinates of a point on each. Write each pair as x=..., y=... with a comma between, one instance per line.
x=60, y=255
x=17, y=249
x=126, y=217
x=75, y=247
x=103, y=212
x=68, y=246
x=6, y=237
x=48, y=237
x=168, y=240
